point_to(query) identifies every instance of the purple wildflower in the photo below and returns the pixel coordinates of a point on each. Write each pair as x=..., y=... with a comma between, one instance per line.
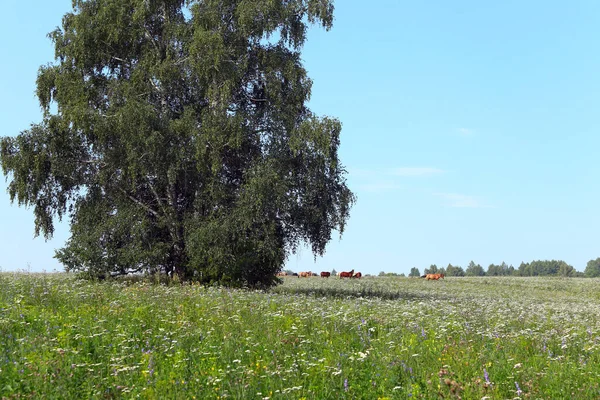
x=486, y=376
x=346, y=384
x=151, y=365
x=519, y=391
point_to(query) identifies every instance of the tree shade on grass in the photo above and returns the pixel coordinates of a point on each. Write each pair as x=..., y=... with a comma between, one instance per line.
x=176, y=138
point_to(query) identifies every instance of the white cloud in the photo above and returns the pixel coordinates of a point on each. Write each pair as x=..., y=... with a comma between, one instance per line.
x=461, y=200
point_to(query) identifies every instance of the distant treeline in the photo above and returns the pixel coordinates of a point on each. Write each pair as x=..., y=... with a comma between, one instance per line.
x=534, y=268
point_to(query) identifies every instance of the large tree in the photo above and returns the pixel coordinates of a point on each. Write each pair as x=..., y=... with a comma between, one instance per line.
x=176, y=138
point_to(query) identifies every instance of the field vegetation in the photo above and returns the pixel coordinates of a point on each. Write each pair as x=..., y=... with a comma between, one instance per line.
x=313, y=338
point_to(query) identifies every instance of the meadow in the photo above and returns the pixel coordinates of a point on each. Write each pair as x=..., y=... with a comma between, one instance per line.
x=310, y=338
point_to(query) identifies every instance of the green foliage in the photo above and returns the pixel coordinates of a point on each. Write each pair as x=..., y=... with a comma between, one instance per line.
x=414, y=272
x=474, y=269
x=546, y=268
x=592, y=269
x=500, y=270
x=181, y=141
x=382, y=273
x=433, y=269
x=454, y=270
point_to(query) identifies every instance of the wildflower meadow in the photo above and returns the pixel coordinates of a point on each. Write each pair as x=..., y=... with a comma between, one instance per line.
x=309, y=338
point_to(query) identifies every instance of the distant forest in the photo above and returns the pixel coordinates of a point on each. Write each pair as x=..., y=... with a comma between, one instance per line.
x=534, y=268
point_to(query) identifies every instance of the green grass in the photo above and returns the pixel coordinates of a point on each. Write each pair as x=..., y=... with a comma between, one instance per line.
x=308, y=338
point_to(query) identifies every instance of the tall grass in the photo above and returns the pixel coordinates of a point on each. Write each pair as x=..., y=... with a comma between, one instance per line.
x=308, y=338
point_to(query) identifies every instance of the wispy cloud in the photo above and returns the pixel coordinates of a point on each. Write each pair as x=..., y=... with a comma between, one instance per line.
x=465, y=131
x=379, y=187
x=388, y=179
x=462, y=200
x=416, y=171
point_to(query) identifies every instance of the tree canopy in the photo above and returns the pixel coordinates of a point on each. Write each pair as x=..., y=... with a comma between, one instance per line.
x=176, y=138
x=433, y=269
x=592, y=269
x=474, y=269
x=500, y=270
x=454, y=270
x=545, y=268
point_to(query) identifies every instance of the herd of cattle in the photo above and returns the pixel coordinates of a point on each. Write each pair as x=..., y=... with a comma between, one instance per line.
x=324, y=274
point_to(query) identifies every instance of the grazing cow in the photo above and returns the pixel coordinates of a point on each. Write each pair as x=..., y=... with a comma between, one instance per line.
x=325, y=274
x=346, y=274
x=282, y=274
x=304, y=274
x=357, y=275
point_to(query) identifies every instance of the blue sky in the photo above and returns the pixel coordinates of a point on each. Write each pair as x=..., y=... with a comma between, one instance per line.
x=470, y=130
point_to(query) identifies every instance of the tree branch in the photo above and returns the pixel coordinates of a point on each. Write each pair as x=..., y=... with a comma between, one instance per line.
x=149, y=36
x=120, y=59
x=99, y=162
x=139, y=203
x=156, y=196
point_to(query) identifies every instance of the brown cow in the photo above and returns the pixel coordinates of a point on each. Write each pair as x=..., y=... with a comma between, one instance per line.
x=357, y=275
x=304, y=274
x=325, y=274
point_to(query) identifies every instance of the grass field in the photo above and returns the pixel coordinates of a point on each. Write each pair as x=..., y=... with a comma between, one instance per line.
x=313, y=338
